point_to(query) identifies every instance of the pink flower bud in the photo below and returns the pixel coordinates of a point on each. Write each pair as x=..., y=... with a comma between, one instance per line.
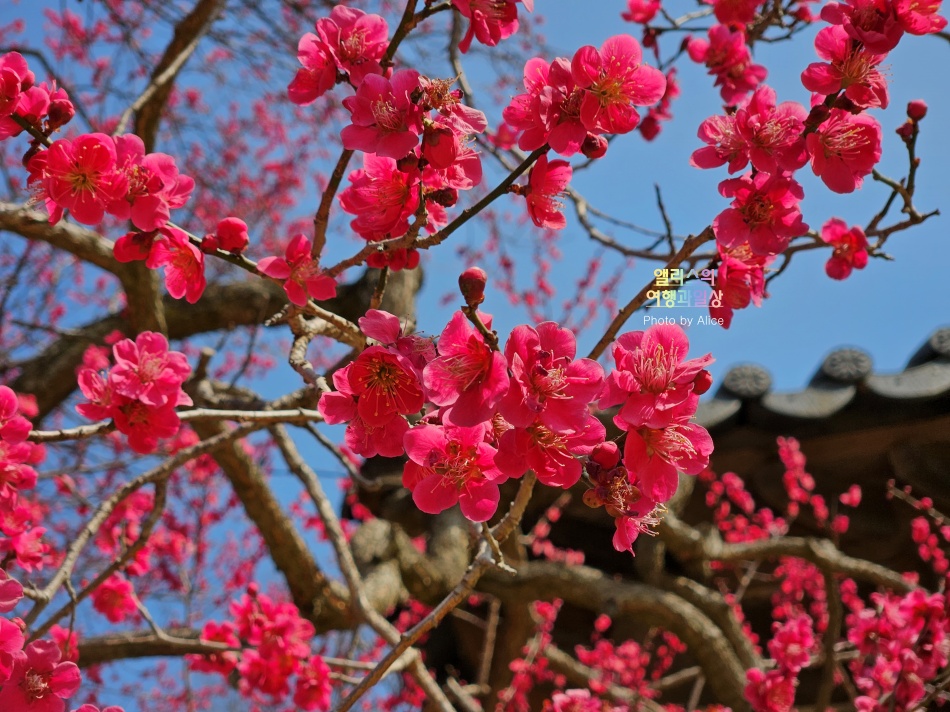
x=905, y=130
x=472, y=285
x=606, y=454
x=232, y=234
x=702, y=383
x=917, y=109
x=209, y=243
x=594, y=146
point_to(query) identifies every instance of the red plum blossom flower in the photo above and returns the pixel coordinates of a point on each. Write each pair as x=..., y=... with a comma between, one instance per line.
x=468, y=379
x=385, y=121
x=546, y=182
x=490, y=21
x=850, y=248
x=81, y=176
x=727, y=56
x=449, y=465
x=615, y=79
x=764, y=214
x=39, y=682
x=301, y=275
x=183, y=262
x=846, y=68
x=844, y=149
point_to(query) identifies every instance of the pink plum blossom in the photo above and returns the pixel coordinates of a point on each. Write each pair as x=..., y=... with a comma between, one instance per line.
x=642, y=11
x=615, y=79
x=15, y=77
x=547, y=383
x=656, y=455
x=554, y=455
x=853, y=70
x=13, y=427
x=39, y=682
x=652, y=377
x=769, y=136
x=844, y=149
x=490, y=21
x=727, y=56
x=232, y=236
x=382, y=197
x=300, y=273
x=10, y=592
x=81, y=176
x=385, y=121
x=546, y=182
x=183, y=262
x=340, y=406
x=741, y=280
x=385, y=384
x=356, y=40
x=764, y=214
x=549, y=111
x=146, y=370
x=873, y=23
x=449, y=465
x=115, y=599
x=154, y=186
x=468, y=379
x=317, y=74
x=850, y=248
x=920, y=18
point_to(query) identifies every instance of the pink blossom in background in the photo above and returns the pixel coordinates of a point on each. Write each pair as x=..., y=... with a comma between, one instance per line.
x=727, y=56
x=145, y=369
x=490, y=21
x=642, y=11
x=115, y=599
x=301, y=274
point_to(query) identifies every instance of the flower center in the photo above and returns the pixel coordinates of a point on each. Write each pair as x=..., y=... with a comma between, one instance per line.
x=387, y=116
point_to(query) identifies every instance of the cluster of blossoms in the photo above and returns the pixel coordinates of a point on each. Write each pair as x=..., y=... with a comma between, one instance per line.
x=837, y=136
x=414, y=131
x=94, y=174
x=42, y=106
x=269, y=643
x=34, y=677
x=140, y=392
x=496, y=413
x=570, y=104
x=21, y=539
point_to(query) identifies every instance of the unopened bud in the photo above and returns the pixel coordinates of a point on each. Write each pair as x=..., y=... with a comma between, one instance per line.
x=472, y=285
x=446, y=197
x=917, y=109
x=606, y=454
x=702, y=382
x=905, y=130
x=592, y=499
x=594, y=146
x=209, y=243
x=408, y=163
